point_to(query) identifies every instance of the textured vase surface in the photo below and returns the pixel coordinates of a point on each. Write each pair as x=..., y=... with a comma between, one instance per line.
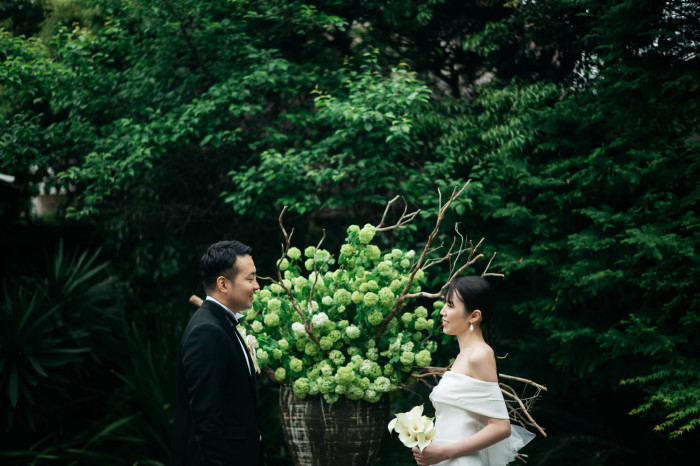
x=345, y=433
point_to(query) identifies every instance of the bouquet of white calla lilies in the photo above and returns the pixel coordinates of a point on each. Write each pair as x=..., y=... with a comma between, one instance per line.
x=414, y=428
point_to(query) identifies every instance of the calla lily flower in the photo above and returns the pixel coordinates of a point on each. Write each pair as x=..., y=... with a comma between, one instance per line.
x=413, y=428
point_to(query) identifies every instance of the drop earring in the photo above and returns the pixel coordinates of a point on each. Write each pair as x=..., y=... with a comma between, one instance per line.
x=471, y=327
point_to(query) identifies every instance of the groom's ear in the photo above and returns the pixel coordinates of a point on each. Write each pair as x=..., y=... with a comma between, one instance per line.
x=221, y=283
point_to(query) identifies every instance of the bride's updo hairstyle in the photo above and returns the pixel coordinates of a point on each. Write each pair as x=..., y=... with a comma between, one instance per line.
x=476, y=293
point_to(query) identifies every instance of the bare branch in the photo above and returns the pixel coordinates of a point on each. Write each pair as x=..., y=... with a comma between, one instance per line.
x=404, y=219
x=418, y=265
x=525, y=381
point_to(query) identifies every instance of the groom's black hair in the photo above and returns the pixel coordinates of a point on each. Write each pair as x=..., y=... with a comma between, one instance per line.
x=220, y=259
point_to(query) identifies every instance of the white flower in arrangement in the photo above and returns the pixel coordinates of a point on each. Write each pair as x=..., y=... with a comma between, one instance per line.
x=298, y=329
x=320, y=319
x=413, y=428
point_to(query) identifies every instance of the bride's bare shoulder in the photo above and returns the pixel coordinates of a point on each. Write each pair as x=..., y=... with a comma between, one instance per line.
x=482, y=363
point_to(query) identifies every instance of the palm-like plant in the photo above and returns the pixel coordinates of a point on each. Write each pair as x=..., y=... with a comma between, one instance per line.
x=49, y=326
x=32, y=354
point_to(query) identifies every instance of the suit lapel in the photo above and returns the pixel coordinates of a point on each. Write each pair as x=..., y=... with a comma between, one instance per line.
x=220, y=314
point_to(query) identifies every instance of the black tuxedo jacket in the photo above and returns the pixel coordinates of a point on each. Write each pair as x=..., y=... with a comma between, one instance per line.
x=216, y=419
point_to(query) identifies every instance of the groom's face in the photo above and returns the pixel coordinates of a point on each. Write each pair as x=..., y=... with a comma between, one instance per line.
x=240, y=289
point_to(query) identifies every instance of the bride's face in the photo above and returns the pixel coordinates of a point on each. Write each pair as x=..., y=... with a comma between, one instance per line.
x=454, y=317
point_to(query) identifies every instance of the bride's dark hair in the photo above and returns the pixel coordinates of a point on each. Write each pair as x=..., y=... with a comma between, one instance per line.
x=476, y=293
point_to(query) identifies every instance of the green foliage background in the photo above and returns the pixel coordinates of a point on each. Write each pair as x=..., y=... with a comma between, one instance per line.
x=174, y=123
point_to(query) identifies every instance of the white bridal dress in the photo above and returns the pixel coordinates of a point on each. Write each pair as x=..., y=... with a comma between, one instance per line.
x=462, y=406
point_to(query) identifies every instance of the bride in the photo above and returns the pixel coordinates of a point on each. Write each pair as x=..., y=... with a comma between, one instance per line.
x=470, y=413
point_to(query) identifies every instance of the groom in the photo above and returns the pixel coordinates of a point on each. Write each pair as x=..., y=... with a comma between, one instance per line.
x=216, y=419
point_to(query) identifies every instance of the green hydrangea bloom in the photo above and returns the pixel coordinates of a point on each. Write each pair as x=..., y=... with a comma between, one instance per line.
x=407, y=358
x=296, y=365
x=382, y=384
x=309, y=264
x=277, y=354
x=396, y=286
x=421, y=311
x=420, y=275
x=372, y=354
x=431, y=346
x=262, y=355
x=301, y=387
x=343, y=324
x=299, y=283
x=311, y=349
x=347, y=250
x=342, y=297
x=360, y=272
x=364, y=383
x=372, y=285
x=417, y=337
x=326, y=343
x=375, y=318
x=274, y=304
x=276, y=289
x=309, y=251
x=326, y=384
x=284, y=264
x=408, y=346
x=405, y=264
x=407, y=318
x=335, y=335
x=287, y=283
x=372, y=396
x=294, y=253
x=313, y=388
x=357, y=297
x=257, y=326
x=353, y=229
x=370, y=299
x=388, y=370
x=331, y=398
x=280, y=374
x=354, y=392
x=370, y=369
x=373, y=252
x=423, y=358
x=345, y=375
x=340, y=389
x=271, y=319
x=283, y=344
x=327, y=300
x=353, y=350
x=430, y=323
x=336, y=357
x=367, y=233
x=386, y=297
x=384, y=267
x=421, y=324
x=341, y=309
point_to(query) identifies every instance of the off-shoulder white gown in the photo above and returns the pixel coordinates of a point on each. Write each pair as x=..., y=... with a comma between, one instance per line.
x=462, y=406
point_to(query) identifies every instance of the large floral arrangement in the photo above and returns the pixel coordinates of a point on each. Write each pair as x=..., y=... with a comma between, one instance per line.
x=348, y=325
x=327, y=326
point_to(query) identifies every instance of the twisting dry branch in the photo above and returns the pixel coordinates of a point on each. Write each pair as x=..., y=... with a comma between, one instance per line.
x=419, y=264
x=295, y=304
x=404, y=219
